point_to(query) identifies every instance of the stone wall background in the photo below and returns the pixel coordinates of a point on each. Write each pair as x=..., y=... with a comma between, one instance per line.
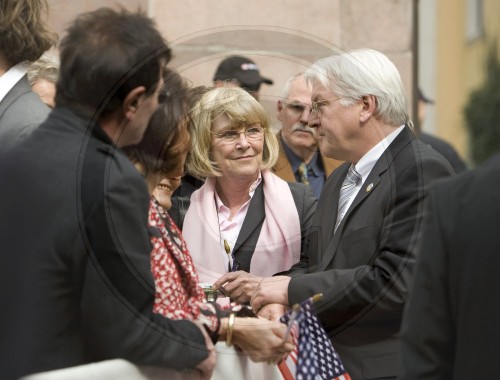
x=282, y=36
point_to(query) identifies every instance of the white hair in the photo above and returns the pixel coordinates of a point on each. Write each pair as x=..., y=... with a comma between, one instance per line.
x=46, y=67
x=357, y=73
x=288, y=84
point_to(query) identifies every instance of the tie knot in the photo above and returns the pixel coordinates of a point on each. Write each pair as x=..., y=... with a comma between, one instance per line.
x=352, y=175
x=303, y=173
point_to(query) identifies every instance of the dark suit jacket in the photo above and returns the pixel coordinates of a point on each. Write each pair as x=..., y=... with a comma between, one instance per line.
x=445, y=149
x=451, y=323
x=76, y=283
x=21, y=111
x=364, y=268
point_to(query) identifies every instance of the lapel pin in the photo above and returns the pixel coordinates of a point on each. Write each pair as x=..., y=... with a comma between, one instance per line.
x=369, y=187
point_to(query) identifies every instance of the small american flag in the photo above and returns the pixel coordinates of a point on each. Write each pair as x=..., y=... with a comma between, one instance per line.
x=314, y=357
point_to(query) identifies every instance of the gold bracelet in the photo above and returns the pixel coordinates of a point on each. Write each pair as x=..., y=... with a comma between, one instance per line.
x=229, y=332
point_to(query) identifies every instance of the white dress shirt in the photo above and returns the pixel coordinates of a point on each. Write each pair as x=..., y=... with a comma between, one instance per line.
x=10, y=78
x=368, y=161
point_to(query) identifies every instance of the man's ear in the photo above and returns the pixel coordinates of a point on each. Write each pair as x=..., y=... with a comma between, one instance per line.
x=369, y=105
x=280, y=109
x=133, y=101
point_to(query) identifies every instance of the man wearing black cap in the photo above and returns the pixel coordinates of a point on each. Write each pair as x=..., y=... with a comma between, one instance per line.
x=435, y=142
x=241, y=72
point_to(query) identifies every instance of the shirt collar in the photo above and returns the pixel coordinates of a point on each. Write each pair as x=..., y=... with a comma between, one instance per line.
x=11, y=77
x=295, y=160
x=251, y=192
x=367, y=162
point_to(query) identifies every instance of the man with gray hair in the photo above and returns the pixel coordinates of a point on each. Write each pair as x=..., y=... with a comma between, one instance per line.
x=299, y=157
x=362, y=244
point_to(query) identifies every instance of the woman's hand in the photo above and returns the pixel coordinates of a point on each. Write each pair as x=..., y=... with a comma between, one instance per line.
x=261, y=339
x=206, y=367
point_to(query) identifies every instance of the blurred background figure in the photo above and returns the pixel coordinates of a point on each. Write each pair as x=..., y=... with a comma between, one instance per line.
x=238, y=71
x=450, y=325
x=437, y=143
x=42, y=75
x=299, y=157
x=24, y=36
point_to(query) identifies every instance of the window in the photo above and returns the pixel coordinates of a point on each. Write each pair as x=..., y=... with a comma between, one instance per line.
x=474, y=27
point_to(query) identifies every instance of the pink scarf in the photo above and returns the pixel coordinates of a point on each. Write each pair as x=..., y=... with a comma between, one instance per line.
x=277, y=248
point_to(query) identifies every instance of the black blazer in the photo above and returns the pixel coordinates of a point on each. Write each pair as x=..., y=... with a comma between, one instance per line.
x=76, y=283
x=451, y=324
x=304, y=200
x=363, y=270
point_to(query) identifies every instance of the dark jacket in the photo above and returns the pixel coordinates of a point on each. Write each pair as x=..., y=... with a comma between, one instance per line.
x=450, y=326
x=76, y=284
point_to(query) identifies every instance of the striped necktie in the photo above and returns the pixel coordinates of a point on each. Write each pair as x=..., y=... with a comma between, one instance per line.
x=346, y=192
x=302, y=170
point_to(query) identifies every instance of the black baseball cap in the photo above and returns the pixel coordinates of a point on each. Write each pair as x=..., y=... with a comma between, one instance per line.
x=244, y=70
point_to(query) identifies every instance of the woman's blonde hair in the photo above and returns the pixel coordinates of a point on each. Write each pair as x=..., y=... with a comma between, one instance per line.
x=242, y=109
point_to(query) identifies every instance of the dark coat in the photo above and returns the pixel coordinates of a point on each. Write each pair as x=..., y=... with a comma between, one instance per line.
x=450, y=327
x=75, y=262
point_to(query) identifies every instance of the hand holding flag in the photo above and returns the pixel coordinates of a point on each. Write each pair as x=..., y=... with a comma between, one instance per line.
x=314, y=356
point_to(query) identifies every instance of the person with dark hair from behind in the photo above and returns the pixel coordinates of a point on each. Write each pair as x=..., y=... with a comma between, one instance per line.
x=450, y=325
x=160, y=157
x=238, y=71
x=435, y=142
x=76, y=283
x=24, y=36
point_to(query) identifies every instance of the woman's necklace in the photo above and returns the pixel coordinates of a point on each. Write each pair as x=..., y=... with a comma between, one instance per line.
x=227, y=247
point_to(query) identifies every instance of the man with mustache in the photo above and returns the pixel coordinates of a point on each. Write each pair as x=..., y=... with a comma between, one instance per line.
x=299, y=157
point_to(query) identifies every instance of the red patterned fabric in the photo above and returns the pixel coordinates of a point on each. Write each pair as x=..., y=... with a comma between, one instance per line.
x=178, y=291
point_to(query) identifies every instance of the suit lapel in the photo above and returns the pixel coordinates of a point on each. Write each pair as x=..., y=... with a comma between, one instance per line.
x=20, y=88
x=375, y=177
x=250, y=230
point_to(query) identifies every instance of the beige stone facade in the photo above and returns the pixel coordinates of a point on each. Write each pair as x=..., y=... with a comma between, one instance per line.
x=282, y=36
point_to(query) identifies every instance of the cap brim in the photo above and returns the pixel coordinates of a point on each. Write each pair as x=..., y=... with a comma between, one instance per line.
x=252, y=78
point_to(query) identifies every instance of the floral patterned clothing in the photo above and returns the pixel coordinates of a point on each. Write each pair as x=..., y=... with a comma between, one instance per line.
x=178, y=291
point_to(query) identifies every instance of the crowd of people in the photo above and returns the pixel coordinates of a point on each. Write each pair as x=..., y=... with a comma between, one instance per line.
x=127, y=197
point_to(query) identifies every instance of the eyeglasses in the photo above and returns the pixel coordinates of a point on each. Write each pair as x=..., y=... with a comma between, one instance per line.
x=297, y=108
x=231, y=135
x=316, y=106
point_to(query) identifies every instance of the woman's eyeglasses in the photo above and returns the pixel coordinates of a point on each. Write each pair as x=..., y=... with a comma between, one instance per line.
x=231, y=135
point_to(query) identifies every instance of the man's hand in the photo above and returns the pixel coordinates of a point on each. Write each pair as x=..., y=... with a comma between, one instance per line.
x=240, y=285
x=270, y=290
x=272, y=312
